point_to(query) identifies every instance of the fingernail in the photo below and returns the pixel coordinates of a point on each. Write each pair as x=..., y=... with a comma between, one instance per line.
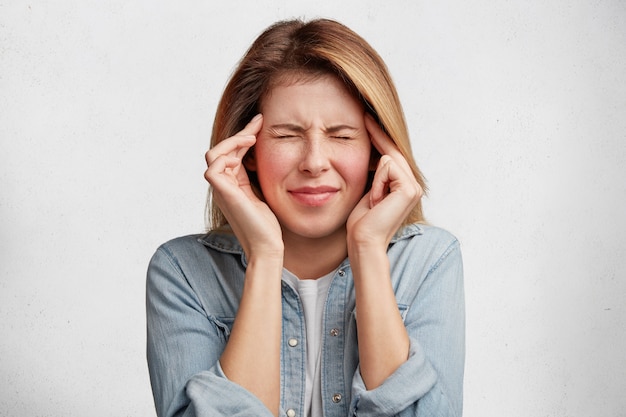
x=257, y=117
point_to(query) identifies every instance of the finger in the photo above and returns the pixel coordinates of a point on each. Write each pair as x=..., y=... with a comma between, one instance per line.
x=238, y=144
x=380, y=182
x=228, y=179
x=384, y=144
x=253, y=127
x=381, y=141
x=223, y=165
x=390, y=178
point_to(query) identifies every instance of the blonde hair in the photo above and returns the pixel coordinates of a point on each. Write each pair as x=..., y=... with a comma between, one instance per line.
x=313, y=48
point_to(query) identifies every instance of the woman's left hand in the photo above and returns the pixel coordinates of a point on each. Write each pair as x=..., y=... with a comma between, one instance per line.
x=393, y=195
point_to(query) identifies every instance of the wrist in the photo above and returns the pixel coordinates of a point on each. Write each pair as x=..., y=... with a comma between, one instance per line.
x=271, y=251
x=364, y=247
x=266, y=258
x=364, y=257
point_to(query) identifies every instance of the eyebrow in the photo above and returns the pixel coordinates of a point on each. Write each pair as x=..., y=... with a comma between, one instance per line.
x=297, y=128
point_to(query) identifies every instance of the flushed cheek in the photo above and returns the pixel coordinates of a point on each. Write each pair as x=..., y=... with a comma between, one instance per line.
x=354, y=166
x=273, y=164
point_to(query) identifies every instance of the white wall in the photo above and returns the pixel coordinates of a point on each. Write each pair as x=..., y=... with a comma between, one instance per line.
x=518, y=116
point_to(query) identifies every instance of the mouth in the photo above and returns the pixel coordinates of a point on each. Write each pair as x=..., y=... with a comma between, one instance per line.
x=313, y=196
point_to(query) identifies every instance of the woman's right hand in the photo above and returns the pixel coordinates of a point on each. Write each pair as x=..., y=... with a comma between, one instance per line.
x=252, y=221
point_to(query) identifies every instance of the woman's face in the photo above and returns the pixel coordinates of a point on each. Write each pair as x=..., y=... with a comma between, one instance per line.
x=312, y=156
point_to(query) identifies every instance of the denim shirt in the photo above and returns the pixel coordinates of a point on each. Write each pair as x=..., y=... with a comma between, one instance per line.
x=194, y=287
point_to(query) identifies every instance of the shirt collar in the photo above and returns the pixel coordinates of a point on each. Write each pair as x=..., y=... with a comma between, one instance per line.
x=224, y=240
x=405, y=232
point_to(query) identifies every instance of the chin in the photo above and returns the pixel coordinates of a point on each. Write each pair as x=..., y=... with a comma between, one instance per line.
x=314, y=230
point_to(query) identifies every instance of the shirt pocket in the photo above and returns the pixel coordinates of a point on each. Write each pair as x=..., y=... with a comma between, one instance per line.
x=404, y=309
x=223, y=326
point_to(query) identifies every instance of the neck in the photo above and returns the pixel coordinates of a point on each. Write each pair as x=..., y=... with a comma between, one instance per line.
x=313, y=258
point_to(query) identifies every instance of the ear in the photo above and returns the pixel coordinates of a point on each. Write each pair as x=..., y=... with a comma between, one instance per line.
x=249, y=160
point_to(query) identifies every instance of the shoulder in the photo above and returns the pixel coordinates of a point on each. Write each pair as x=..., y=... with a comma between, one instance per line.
x=423, y=247
x=423, y=253
x=221, y=240
x=198, y=248
x=181, y=244
x=424, y=236
x=203, y=262
x=171, y=257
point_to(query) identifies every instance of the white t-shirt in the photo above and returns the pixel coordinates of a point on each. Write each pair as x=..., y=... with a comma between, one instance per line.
x=313, y=293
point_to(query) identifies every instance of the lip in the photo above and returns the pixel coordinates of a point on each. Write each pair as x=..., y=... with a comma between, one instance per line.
x=313, y=196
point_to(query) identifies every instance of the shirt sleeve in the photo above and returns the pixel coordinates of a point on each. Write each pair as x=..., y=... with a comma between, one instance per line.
x=430, y=382
x=183, y=349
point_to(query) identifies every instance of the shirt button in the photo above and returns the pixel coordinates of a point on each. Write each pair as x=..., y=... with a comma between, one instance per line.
x=291, y=413
x=334, y=332
x=293, y=343
x=342, y=272
x=336, y=398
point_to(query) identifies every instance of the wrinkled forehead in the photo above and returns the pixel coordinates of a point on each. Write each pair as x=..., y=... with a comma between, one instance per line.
x=302, y=76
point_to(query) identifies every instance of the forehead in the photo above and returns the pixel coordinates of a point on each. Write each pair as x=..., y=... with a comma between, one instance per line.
x=295, y=90
x=300, y=77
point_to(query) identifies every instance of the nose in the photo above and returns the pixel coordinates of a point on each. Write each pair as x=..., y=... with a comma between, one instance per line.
x=315, y=157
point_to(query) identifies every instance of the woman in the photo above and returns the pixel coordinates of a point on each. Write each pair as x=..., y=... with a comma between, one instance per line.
x=318, y=291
